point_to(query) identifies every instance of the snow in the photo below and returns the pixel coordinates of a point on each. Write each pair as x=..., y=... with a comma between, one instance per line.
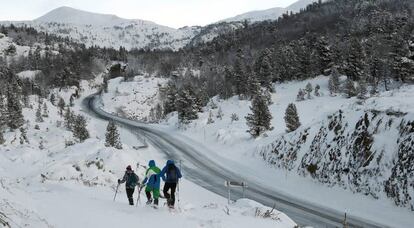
x=270, y=14
x=229, y=144
x=132, y=99
x=70, y=15
x=5, y=42
x=28, y=74
x=74, y=186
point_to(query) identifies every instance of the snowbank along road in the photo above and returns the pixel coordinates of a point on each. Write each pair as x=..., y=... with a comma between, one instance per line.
x=211, y=174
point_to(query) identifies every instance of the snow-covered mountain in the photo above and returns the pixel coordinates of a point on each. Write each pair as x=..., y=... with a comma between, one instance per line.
x=106, y=30
x=270, y=14
x=111, y=31
x=69, y=15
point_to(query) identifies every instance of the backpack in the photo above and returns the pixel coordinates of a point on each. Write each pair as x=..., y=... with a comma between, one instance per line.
x=131, y=180
x=172, y=174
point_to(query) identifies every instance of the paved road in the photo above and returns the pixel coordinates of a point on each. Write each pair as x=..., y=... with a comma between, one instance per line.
x=209, y=174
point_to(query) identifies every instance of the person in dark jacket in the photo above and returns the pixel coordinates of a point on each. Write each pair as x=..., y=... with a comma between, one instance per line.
x=170, y=174
x=131, y=180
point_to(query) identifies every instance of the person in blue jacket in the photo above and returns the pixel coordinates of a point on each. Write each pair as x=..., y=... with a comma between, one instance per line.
x=152, y=179
x=170, y=174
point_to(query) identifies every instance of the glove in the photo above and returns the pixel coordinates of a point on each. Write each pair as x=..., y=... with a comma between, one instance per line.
x=119, y=181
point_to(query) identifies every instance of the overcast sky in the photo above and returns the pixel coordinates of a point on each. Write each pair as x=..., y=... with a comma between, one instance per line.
x=174, y=13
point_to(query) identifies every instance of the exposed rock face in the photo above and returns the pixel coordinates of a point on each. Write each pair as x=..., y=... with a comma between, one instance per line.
x=369, y=152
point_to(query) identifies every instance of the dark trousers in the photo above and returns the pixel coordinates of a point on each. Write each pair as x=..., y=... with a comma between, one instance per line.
x=130, y=193
x=170, y=197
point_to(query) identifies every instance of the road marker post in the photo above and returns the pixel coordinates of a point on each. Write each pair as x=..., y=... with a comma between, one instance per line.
x=234, y=184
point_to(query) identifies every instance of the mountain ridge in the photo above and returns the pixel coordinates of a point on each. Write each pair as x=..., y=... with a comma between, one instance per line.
x=269, y=14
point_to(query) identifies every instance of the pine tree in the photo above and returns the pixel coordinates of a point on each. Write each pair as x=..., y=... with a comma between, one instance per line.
x=240, y=78
x=292, y=118
x=333, y=83
x=39, y=117
x=80, y=131
x=264, y=69
x=355, y=61
x=14, y=108
x=234, y=117
x=52, y=99
x=228, y=84
x=112, y=138
x=186, y=107
x=253, y=85
x=309, y=90
x=45, y=111
x=259, y=120
x=72, y=100
x=266, y=95
x=41, y=144
x=61, y=105
x=69, y=118
x=324, y=55
x=402, y=59
x=304, y=57
x=362, y=90
x=169, y=103
x=220, y=113
x=159, y=112
x=376, y=73
x=2, y=140
x=210, y=119
x=23, y=136
x=301, y=95
x=202, y=97
x=349, y=88
x=3, y=110
x=317, y=88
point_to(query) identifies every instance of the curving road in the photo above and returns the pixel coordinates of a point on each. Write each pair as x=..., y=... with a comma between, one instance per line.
x=211, y=175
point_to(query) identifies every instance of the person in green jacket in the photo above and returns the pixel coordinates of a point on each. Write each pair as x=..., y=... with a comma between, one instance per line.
x=152, y=179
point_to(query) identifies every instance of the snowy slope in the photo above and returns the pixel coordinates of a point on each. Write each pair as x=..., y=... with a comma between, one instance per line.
x=67, y=15
x=45, y=183
x=270, y=14
x=230, y=140
x=133, y=99
x=6, y=42
x=110, y=31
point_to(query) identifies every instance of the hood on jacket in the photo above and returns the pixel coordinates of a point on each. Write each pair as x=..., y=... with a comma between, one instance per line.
x=151, y=163
x=170, y=162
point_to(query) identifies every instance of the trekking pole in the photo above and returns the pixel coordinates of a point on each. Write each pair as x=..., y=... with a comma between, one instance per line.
x=178, y=186
x=140, y=187
x=116, y=192
x=139, y=194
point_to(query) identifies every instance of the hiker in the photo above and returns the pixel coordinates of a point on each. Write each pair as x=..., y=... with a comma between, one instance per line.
x=152, y=179
x=170, y=174
x=131, y=180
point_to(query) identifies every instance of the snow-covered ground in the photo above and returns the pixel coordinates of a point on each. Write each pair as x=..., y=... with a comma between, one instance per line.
x=6, y=42
x=133, y=99
x=230, y=142
x=43, y=183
